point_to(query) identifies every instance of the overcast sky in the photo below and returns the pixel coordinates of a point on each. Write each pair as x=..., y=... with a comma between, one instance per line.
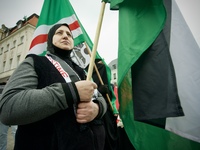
x=88, y=12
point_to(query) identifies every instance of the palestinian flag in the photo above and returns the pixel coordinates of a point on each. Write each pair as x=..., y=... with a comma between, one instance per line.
x=158, y=76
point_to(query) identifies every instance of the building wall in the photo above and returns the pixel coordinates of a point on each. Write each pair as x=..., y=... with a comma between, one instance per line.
x=14, y=48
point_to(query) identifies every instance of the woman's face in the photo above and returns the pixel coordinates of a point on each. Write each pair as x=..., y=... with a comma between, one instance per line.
x=63, y=38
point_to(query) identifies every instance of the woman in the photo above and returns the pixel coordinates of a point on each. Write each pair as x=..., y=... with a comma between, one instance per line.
x=49, y=99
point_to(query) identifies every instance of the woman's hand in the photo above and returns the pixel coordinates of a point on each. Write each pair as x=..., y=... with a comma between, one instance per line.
x=86, y=111
x=85, y=90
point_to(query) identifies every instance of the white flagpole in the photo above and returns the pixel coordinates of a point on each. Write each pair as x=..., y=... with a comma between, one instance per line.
x=96, y=40
x=99, y=76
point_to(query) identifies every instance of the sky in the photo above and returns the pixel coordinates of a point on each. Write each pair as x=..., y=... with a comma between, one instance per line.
x=88, y=13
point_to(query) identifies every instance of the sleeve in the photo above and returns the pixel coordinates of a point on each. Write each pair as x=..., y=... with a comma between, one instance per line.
x=102, y=104
x=21, y=101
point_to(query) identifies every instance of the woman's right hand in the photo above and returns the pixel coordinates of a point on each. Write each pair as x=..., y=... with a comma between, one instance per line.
x=85, y=90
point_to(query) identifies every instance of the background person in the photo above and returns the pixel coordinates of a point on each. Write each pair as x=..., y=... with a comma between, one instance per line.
x=4, y=128
x=4, y=134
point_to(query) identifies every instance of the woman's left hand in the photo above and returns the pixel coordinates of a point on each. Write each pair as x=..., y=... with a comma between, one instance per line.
x=86, y=111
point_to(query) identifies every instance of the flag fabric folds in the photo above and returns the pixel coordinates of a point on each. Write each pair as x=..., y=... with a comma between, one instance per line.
x=156, y=85
x=61, y=11
x=54, y=12
x=186, y=58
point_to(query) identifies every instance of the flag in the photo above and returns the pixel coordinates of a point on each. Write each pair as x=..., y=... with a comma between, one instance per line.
x=61, y=11
x=64, y=14
x=158, y=76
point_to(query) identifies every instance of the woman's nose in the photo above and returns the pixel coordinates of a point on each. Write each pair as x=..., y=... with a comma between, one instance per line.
x=65, y=35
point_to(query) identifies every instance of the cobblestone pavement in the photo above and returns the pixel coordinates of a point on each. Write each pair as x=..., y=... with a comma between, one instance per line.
x=10, y=141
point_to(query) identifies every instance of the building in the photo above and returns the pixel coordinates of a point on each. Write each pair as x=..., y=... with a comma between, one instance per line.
x=113, y=67
x=14, y=45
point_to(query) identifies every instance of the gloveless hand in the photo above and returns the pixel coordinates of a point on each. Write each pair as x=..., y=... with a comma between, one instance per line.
x=85, y=90
x=86, y=111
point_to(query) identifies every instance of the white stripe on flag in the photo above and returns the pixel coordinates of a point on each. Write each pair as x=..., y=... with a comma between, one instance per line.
x=76, y=32
x=44, y=29
x=186, y=59
x=38, y=49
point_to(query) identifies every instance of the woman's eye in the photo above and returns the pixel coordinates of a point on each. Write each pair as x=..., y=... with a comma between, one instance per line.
x=58, y=33
x=69, y=35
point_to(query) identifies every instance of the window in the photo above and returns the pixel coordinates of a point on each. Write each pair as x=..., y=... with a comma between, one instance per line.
x=18, y=59
x=4, y=65
x=7, y=33
x=7, y=48
x=19, y=25
x=114, y=66
x=14, y=44
x=1, y=50
x=22, y=39
x=114, y=76
x=11, y=62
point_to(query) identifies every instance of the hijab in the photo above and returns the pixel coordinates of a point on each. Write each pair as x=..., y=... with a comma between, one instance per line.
x=63, y=54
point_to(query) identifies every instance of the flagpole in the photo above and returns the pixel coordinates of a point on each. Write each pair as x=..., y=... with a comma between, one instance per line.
x=99, y=76
x=94, y=49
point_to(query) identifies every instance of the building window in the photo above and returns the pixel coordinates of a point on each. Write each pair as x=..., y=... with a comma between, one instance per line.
x=14, y=44
x=114, y=76
x=19, y=25
x=7, y=48
x=11, y=61
x=21, y=39
x=1, y=50
x=4, y=65
x=18, y=60
x=114, y=66
x=7, y=33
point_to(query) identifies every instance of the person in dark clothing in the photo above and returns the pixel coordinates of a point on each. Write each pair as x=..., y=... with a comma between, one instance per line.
x=110, y=117
x=53, y=105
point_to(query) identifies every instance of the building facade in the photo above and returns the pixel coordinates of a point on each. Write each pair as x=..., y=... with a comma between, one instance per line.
x=14, y=45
